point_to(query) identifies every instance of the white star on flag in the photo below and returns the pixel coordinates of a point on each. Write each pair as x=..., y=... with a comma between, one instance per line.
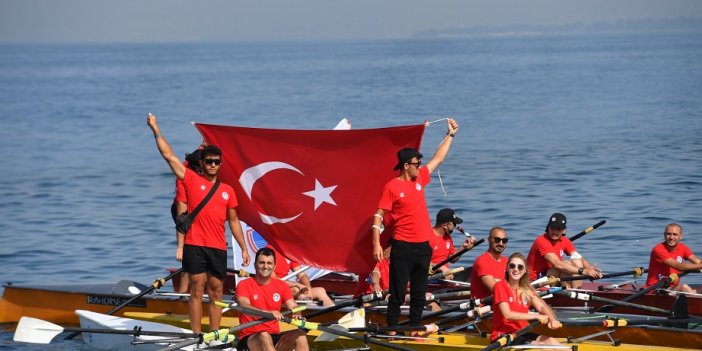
x=321, y=194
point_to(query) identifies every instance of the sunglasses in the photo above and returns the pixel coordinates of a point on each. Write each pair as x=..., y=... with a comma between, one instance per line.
x=416, y=164
x=517, y=266
x=212, y=161
x=500, y=240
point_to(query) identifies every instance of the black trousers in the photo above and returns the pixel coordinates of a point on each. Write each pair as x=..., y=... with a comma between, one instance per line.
x=408, y=262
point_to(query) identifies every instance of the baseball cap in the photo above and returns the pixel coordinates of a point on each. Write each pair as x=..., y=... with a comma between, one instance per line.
x=446, y=215
x=557, y=221
x=405, y=155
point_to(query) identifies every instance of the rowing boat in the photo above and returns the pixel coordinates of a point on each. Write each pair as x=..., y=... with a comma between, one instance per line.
x=118, y=342
x=449, y=341
x=40, y=301
x=339, y=284
x=648, y=335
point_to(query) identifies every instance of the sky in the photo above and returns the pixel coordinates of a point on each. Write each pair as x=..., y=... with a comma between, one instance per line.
x=77, y=21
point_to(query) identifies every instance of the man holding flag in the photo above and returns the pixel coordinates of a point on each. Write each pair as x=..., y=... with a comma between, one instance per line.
x=403, y=200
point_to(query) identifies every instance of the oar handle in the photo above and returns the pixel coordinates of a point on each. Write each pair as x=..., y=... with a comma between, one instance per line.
x=597, y=225
x=440, y=275
x=455, y=255
x=509, y=338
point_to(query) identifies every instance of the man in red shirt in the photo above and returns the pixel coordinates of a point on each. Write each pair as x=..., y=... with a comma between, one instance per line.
x=303, y=290
x=546, y=255
x=403, y=199
x=489, y=268
x=269, y=294
x=441, y=242
x=667, y=258
x=205, y=249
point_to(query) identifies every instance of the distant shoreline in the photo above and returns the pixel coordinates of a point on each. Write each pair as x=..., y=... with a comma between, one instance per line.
x=634, y=26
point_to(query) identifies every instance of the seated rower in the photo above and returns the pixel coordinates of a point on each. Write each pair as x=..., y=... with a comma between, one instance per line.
x=303, y=289
x=265, y=293
x=668, y=258
x=510, y=307
x=442, y=243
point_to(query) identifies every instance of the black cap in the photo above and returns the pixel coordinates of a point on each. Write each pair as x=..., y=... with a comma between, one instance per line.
x=446, y=215
x=405, y=155
x=557, y=221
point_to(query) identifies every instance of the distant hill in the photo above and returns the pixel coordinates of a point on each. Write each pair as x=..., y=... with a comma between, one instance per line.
x=632, y=26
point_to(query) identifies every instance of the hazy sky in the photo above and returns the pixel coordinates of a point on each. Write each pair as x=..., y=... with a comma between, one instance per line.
x=230, y=20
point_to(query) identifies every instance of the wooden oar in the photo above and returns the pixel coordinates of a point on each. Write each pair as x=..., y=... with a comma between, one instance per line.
x=352, y=302
x=509, y=338
x=455, y=255
x=222, y=333
x=316, y=326
x=662, y=283
x=636, y=272
x=583, y=296
x=37, y=331
x=589, y=229
x=155, y=285
x=440, y=275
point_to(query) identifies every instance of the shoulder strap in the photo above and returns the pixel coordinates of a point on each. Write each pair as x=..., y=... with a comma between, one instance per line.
x=204, y=201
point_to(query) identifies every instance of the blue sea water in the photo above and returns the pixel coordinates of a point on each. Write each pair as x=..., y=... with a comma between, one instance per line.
x=596, y=127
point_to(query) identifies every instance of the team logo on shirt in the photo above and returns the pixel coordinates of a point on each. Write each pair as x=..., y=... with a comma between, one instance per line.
x=276, y=297
x=562, y=252
x=255, y=297
x=448, y=245
x=418, y=186
x=511, y=299
x=525, y=300
x=679, y=259
x=402, y=194
x=203, y=187
x=225, y=195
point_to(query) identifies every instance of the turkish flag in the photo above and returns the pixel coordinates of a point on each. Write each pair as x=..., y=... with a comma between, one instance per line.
x=312, y=193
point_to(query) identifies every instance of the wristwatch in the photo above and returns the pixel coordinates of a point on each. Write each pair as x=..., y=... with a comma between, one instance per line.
x=581, y=270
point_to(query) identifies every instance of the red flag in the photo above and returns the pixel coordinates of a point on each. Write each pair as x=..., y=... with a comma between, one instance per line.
x=312, y=193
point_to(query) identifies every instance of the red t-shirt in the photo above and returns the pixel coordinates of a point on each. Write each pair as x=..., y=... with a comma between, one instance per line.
x=500, y=325
x=660, y=253
x=485, y=264
x=543, y=245
x=365, y=286
x=442, y=248
x=208, y=228
x=269, y=297
x=408, y=208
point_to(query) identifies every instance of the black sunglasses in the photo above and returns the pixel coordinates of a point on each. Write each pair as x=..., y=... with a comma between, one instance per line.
x=416, y=164
x=517, y=266
x=210, y=161
x=499, y=240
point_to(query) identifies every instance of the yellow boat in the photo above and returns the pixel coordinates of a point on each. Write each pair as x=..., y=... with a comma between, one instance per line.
x=449, y=341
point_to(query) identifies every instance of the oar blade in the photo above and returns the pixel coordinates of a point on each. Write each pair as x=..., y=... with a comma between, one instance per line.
x=36, y=331
x=327, y=336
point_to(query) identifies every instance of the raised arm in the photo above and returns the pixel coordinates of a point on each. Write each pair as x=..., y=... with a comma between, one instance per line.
x=165, y=149
x=443, y=149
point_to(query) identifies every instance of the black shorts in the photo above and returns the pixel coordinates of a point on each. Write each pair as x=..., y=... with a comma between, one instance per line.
x=243, y=345
x=200, y=259
x=523, y=339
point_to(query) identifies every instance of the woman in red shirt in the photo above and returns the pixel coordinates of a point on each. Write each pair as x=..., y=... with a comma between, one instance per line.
x=510, y=308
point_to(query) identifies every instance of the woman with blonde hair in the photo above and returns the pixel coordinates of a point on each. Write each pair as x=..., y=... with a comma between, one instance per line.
x=510, y=308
